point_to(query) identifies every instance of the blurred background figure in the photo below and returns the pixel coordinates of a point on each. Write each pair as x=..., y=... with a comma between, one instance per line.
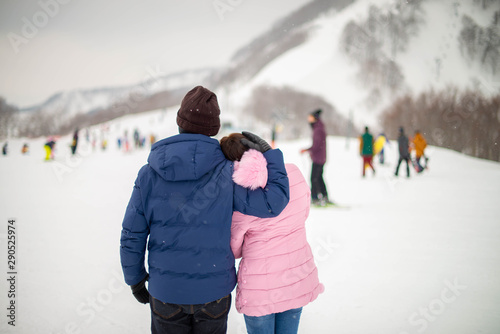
x=5, y=148
x=125, y=142
x=419, y=145
x=404, y=152
x=25, y=149
x=49, y=148
x=136, y=138
x=74, y=143
x=366, y=150
x=319, y=194
x=379, y=147
x=104, y=144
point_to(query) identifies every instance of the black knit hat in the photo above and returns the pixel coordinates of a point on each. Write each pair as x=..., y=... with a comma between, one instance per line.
x=316, y=113
x=199, y=112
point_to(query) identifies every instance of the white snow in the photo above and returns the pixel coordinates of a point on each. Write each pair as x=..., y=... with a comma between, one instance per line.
x=417, y=255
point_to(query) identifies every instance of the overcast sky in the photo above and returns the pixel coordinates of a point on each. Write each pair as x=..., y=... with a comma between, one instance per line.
x=53, y=45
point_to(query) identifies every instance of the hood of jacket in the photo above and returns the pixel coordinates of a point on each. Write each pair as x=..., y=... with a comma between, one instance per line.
x=251, y=171
x=185, y=157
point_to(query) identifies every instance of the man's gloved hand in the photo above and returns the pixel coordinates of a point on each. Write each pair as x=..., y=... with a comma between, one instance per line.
x=140, y=292
x=255, y=142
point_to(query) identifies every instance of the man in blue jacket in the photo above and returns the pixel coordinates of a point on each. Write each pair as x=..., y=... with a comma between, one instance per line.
x=183, y=200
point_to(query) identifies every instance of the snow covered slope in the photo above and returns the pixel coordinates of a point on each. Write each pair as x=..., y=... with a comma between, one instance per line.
x=417, y=255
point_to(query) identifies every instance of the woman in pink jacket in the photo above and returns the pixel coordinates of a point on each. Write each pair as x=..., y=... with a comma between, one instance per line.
x=277, y=275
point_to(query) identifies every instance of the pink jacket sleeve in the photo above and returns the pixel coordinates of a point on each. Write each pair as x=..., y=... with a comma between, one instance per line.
x=239, y=228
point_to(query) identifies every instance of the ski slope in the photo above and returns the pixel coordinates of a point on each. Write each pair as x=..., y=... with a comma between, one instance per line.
x=417, y=255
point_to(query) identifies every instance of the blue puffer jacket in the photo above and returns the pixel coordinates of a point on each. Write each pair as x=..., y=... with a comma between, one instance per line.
x=183, y=199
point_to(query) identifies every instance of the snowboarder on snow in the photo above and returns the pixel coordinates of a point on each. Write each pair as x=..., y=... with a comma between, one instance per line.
x=264, y=264
x=317, y=151
x=366, y=150
x=182, y=202
x=404, y=152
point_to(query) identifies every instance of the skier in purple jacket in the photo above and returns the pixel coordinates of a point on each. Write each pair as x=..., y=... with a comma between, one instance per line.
x=319, y=194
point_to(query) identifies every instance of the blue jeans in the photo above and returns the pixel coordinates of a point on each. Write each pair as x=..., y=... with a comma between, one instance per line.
x=277, y=323
x=209, y=318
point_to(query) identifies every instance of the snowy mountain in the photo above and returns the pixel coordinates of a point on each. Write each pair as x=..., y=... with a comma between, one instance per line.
x=430, y=55
x=88, y=100
x=429, y=65
x=66, y=110
x=355, y=58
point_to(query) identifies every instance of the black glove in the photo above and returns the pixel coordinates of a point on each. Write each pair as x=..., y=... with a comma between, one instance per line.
x=140, y=292
x=255, y=142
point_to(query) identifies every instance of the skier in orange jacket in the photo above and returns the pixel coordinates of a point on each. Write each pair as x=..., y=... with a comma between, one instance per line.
x=419, y=145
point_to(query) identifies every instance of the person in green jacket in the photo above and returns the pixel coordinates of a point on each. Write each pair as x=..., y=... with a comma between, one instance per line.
x=366, y=150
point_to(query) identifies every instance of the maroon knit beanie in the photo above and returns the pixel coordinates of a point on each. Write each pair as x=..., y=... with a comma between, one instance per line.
x=199, y=112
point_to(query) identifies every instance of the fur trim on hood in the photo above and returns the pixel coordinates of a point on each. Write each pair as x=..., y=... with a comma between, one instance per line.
x=251, y=171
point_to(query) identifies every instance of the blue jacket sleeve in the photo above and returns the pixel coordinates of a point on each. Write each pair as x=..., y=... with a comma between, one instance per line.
x=269, y=201
x=134, y=236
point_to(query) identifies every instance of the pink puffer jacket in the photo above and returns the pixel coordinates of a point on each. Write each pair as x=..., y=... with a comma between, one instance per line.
x=277, y=271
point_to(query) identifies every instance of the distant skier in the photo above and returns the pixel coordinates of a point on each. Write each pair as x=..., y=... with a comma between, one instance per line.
x=317, y=151
x=49, y=149
x=5, y=148
x=273, y=136
x=25, y=149
x=381, y=154
x=104, y=144
x=419, y=145
x=136, y=138
x=404, y=152
x=125, y=142
x=366, y=150
x=74, y=143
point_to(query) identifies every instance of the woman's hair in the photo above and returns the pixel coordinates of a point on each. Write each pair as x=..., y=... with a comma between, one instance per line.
x=232, y=147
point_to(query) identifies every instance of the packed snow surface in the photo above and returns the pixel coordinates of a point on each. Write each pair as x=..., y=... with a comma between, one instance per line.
x=402, y=255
